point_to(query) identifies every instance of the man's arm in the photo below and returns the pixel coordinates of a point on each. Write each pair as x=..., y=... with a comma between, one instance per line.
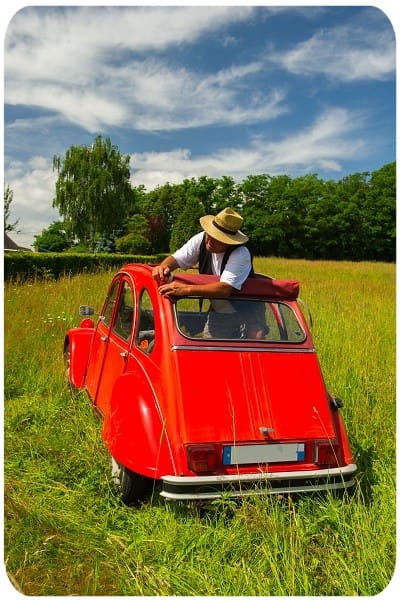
x=212, y=290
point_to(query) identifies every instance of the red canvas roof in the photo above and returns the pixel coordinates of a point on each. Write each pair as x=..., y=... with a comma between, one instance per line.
x=260, y=285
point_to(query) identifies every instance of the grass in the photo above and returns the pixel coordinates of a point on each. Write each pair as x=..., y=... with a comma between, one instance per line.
x=65, y=530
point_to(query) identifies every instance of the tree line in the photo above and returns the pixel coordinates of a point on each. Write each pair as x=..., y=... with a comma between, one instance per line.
x=303, y=217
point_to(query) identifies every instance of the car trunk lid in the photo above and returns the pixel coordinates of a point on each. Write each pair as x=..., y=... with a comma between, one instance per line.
x=229, y=395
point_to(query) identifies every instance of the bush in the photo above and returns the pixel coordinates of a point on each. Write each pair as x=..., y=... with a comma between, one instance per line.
x=133, y=243
x=25, y=265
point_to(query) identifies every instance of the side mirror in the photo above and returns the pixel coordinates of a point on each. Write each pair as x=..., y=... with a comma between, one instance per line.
x=86, y=311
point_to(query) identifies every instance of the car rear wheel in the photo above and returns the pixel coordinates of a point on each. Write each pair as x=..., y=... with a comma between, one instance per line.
x=134, y=488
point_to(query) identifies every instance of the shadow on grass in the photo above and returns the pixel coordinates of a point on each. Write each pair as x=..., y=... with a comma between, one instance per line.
x=366, y=477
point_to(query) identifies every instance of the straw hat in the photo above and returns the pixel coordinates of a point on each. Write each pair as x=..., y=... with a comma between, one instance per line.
x=224, y=226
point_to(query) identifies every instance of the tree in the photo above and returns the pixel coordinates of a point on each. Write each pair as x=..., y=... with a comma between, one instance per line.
x=161, y=207
x=53, y=239
x=93, y=190
x=136, y=237
x=8, y=198
x=187, y=223
x=133, y=244
x=253, y=194
x=380, y=215
x=225, y=194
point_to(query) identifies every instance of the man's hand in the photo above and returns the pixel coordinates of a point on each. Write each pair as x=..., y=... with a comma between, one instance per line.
x=174, y=289
x=163, y=273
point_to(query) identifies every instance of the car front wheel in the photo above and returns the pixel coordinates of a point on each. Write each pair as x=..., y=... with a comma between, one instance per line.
x=134, y=488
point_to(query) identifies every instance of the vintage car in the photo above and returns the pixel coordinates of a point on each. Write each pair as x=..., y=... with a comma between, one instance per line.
x=202, y=397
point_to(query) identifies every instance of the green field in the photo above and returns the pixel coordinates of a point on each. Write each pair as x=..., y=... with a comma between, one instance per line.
x=66, y=532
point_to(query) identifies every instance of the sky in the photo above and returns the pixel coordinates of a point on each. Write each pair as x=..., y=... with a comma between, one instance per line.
x=195, y=90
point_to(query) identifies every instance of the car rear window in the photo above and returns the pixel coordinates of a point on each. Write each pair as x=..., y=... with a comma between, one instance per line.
x=234, y=319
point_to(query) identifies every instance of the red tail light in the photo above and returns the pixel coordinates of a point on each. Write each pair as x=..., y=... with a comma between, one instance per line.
x=205, y=458
x=327, y=453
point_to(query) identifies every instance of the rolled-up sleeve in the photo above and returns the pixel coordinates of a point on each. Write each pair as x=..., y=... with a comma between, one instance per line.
x=188, y=255
x=237, y=268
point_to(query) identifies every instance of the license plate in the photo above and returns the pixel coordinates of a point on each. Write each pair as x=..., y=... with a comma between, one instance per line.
x=263, y=453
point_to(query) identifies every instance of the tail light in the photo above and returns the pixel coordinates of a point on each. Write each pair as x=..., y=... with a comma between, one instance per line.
x=327, y=453
x=204, y=458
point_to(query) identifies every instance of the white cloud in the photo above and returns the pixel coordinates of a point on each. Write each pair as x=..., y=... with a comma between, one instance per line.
x=346, y=53
x=33, y=186
x=96, y=77
x=323, y=145
x=328, y=141
x=89, y=31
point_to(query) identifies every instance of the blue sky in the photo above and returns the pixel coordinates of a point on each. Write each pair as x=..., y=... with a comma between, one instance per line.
x=191, y=91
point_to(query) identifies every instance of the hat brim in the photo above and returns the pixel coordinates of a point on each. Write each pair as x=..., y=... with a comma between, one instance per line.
x=206, y=223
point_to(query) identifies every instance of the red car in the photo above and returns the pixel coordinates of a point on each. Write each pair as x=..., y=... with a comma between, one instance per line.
x=207, y=396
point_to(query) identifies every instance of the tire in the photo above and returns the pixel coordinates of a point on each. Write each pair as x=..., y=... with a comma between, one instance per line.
x=134, y=488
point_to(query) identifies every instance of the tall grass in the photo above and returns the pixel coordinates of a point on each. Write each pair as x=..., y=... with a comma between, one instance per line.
x=66, y=531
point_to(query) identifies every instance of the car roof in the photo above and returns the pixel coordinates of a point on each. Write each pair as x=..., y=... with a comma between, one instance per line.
x=259, y=285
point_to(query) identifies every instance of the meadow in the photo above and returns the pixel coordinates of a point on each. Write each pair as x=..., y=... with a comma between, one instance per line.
x=67, y=533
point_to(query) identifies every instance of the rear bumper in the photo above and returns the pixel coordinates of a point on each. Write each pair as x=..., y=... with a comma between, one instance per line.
x=212, y=487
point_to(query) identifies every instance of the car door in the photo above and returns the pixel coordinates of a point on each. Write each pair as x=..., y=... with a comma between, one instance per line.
x=117, y=344
x=100, y=341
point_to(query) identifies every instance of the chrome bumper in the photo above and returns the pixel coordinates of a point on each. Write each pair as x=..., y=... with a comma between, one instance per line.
x=260, y=483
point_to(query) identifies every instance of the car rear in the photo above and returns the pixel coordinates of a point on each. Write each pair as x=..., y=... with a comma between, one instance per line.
x=254, y=416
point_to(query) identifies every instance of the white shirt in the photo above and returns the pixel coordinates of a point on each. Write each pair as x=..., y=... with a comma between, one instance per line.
x=236, y=270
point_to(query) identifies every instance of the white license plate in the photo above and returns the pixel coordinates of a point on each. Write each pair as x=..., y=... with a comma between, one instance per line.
x=263, y=453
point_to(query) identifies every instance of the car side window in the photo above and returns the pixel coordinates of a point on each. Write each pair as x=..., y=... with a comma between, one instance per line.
x=145, y=336
x=124, y=315
x=110, y=303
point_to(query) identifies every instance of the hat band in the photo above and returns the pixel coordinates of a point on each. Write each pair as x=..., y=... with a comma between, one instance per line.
x=223, y=229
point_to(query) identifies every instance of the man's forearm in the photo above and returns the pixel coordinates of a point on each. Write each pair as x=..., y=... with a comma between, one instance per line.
x=212, y=290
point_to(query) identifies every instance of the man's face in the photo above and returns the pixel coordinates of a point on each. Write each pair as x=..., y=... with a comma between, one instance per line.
x=215, y=246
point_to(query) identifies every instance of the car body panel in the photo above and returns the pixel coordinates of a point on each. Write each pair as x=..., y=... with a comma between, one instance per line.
x=97, y=355
x=78, y=342
x=134, y=432
x=258, y=407
x=244, y=391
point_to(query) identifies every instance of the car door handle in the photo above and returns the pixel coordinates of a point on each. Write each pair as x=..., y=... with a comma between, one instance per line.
x=103, y=338
x=124, y=354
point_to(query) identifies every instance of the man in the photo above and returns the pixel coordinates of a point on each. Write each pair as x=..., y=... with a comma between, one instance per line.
x=220, y=250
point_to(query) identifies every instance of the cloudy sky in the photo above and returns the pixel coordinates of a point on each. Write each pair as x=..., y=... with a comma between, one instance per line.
x=191, y=91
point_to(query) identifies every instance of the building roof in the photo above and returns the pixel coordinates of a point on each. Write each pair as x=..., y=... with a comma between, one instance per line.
x=11, y=245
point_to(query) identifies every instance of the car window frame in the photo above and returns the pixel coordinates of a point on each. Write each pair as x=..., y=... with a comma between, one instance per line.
x=124, y=286
x=277, y=303
x=145, y=339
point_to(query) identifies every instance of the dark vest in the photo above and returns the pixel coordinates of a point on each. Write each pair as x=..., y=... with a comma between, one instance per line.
x=205, y=265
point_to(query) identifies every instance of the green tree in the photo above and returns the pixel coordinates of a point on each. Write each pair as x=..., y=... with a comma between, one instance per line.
x=225, y=194
x=187, y=223
x=159, y=208
x=53, y=239
x=133, y=243
x=8, y=198
x=320, y=222
x=93, y=190
x=380, y=215
x=253, y=195
x=348, y=227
